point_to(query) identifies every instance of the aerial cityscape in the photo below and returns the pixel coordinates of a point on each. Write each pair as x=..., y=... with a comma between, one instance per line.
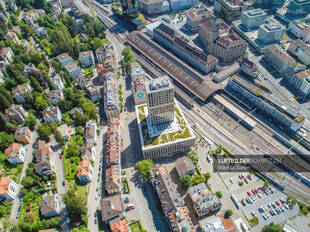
x=155, y=115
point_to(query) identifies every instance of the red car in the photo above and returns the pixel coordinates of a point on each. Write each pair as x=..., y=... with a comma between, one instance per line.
x=131, y=207
x=256, y=190
x=253, y=191
x=240, y=177
x=278, y=203
x=249, y=193
x=60, y=156
x=246, y=180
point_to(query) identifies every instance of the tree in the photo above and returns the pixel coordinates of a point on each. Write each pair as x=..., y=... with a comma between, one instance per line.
x=272, y=228
x=58, y=137
x=2, y=210
x=44, y=131
x=208, y=175
x=97, y=43
x=64, y=105
x=5, y=125
x=5, y=140
x=186, y=181
x=198, y=179
x=35, y=84
x=27, y=182
x=219, y=194
x=40, y=102
x=75, y=204
x=266, y=184
x=144, y=167
x=30, y=121
x=193, y=156
x=228, y=213
x=62, y=40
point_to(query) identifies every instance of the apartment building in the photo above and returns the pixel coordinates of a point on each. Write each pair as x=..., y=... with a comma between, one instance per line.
x=54, y=96
x=196, y=15
x=248, y=68
x=8, y=189
x=87, y=59
x=6, y=55
x=50, y=206
x=172, y=203
x=277, y=58
x=64, y=59
x=45, y=163
x=137, y=83
x=91, y=132
x=300, y=50
x=52, y=114
x=112, y=207
x=56, y=80
x=15, y=154
x=221, y=41
x=113, y=163
x=92, y=92
x=230, y=9
x=204, y=202
x=178, y=44
x=110, y=96
x=16, y=113
x=270, y=32
x=299, y=80
x=73, y=69
x=88, y=152
x=300, y=29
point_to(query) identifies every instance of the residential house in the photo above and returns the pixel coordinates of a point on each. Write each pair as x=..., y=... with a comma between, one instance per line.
x=88, y=152
x=87, y=58
x=172, y=203
x=204, y=202
x=298, y=80
x=52, y=114
x=8, y=189
x=41, y=33
x=56, y=80
x=185, y=166
x=19, y=93
x=112, y=207
x=118, y=225
x=300, y=50
x=85, y=171
x=15, y=154
x=6, y=55
x=73, y=69
x=16, y=29
x=82, y=81
x=12, y=35
x=45, y=164
x=16, y=113
x=56, y=10
x=23, y=134
x=92, y=92
x=55, y=95
x=64, y=59
x=91, y=132
x=50, y=206
x=248, y=67
x=65, y=131
x=216, y=223
x=75, y=110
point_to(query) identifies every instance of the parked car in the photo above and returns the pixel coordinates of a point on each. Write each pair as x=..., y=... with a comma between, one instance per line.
x=264, y=216
x=286, y=206
x=249, y=193
x=131, y=207
x=126, y=200
x=278, y=203
x=260, y=210
x=253, y=214
x=246, y=181
x=60, y=156
x=63, y=183
x=243, y=203
x=97, y=188
x=231, y=180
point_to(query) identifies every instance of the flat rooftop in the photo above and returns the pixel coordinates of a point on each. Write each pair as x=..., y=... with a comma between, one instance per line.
x=158, y=84
x=178, y=130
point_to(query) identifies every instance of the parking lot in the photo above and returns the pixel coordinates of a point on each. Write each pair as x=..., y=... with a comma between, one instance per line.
x=267, y=204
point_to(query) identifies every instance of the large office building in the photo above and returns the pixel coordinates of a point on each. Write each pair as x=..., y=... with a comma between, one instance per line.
x=221, y=41
x=175, y=42
x=252, y=19
x=196, y=15
x=153, y=7
x=278, y=58
x=266, y=103
x=301, y=30
x=163, y=129
x=160, y=100
x=230, y=9
x=110, y=96
x=270, y=32
x=298, y=8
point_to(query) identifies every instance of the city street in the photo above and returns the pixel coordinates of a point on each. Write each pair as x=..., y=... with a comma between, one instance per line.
x=28, y=159
x=95, y=186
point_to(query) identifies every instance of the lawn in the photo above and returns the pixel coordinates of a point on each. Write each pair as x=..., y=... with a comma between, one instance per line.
x=70, y=165
x=136, y=227
x=81, y=190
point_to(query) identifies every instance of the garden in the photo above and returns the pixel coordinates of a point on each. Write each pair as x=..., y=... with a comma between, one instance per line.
x=136, y=227
x=125, y=186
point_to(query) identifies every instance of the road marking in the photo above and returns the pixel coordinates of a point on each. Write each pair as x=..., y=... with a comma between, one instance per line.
x=295, y=98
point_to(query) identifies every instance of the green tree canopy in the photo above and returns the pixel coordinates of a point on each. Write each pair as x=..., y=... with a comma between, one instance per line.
x=5, y=140
x=44, y=131
x=30, y=121
x=198, y=179
x=228, y=213
x=272, y=228
x=207, y=175
x=186, y=181
x=144, y=167
x=193, y=156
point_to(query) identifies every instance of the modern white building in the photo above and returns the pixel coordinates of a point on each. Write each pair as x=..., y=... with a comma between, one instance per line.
x=56, y=80
x=87, y=59
x=299, y=81
x=73, y=69
x=253, y=18
x=270, y=32
x=301, y=50
x=8, y=189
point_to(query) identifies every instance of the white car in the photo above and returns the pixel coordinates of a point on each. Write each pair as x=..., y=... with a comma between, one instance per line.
x=253, y=214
